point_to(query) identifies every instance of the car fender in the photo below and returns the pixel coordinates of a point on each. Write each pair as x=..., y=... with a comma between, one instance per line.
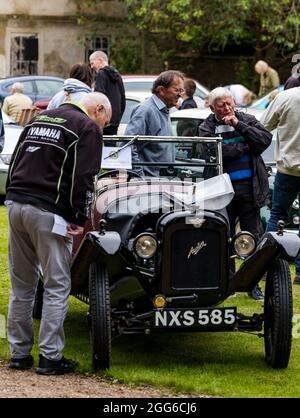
x=287, y=242
x=108, y=242
x=270, y=246
x=94, y=246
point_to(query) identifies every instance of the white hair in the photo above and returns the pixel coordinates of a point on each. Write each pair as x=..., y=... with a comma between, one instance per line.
x=99, y=54
x=261, y=66
x=18, y=87
x=91, y=100
x=218, y=93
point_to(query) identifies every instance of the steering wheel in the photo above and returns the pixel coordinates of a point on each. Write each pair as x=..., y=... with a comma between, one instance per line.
x=115, y=173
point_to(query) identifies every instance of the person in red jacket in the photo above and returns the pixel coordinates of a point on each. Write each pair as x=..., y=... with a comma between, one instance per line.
x=49, y=192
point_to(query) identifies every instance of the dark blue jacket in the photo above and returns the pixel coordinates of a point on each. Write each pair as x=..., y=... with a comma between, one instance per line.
x=257, y=139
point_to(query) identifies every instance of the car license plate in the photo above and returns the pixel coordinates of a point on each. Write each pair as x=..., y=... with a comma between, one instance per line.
x=210, y=317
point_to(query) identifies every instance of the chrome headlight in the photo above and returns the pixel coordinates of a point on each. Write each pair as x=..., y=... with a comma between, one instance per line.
x=244, y=244
x=5, y=158
x=145, y=245
x=295, y=204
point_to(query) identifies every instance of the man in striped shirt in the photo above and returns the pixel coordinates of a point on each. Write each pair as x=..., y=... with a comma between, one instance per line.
x=244, y=139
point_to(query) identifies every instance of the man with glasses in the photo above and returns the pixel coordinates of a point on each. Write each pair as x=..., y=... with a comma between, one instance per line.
x=152, y=118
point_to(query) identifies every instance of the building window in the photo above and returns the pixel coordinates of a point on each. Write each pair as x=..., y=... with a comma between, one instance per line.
x=96, y=44
x=24, y=54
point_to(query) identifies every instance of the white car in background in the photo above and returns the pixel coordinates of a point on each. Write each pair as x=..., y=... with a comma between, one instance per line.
x=133, y=99
x=143, y=83
x=12, y=132
x=185, y=122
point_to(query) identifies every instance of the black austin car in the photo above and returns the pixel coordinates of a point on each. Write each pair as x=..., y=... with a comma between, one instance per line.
x=157, y=255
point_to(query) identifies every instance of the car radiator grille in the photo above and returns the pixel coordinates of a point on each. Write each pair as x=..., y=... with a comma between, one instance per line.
x=195, y=259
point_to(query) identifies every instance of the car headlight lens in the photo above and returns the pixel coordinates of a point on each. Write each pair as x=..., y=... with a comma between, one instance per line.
x=295, y=204
x=5, y=158
x=145, y=245
x=244, y=244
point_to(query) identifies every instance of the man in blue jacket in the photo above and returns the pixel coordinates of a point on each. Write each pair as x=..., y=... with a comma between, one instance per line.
x=152, y=118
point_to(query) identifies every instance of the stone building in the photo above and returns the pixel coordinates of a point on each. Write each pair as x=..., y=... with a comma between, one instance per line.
x=43, y=37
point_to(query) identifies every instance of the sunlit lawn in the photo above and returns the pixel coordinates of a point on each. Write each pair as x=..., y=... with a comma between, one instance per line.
x=222, y=364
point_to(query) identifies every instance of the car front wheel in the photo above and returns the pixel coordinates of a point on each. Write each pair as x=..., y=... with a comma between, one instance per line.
x=278, y=311
x=100, y=318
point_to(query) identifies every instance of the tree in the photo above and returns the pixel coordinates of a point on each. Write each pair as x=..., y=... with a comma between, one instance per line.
x=267, y=29
x=217, y=24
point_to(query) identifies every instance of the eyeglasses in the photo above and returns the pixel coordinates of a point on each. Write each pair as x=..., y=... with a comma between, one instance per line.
x=178, y=91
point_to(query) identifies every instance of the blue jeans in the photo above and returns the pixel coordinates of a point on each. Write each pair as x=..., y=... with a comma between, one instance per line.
x=286, y=190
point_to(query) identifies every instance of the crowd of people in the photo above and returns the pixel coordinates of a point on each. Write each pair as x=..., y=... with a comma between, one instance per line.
x=72, y=154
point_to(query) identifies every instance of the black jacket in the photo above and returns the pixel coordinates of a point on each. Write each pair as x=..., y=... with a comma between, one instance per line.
x=54, y=162
x=109, y=82
x=188, y=104
x=257, y=140
x=292, y=82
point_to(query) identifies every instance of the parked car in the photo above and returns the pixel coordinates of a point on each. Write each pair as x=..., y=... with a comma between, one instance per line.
x=37, y=87
x=263, y=102
x=12, y=132
x=187, y=121
x=42, y=104
x=135, y=83
x=133, y=99
x=155, y=258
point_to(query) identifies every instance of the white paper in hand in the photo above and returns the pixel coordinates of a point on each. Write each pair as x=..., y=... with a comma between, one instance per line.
x=60, y=226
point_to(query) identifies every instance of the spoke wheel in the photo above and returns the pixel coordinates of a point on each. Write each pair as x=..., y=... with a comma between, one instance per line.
x=278, y=313
x=100, y=318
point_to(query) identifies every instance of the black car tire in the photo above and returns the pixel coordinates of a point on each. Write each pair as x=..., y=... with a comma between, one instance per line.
x=100, y=318
x=278, y=311
x=38, y=300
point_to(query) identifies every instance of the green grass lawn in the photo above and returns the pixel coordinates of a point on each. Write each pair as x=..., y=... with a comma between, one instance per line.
x=222, y=364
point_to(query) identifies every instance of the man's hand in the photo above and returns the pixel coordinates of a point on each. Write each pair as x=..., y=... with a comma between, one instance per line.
x=231, y=120
x=73, y=229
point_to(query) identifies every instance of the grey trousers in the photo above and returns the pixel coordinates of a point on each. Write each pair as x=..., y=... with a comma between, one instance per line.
x=32, y=246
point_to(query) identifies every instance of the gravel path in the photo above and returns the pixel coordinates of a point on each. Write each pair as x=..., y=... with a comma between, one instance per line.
x=27, y=384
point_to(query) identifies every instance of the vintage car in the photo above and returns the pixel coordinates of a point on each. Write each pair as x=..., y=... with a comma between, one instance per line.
x=157, y=256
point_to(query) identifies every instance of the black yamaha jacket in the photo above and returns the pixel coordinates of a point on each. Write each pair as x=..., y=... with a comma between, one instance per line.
x=258, y=138
x=54, y=162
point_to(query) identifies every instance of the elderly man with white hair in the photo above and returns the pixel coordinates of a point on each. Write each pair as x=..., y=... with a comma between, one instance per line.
x=269, y=78
x=16, y=102
x=244, y=138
